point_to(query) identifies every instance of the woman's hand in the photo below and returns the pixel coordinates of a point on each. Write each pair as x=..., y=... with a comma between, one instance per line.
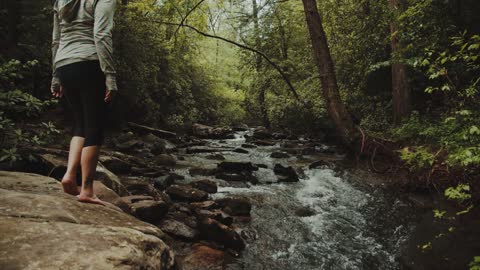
x=57, y=91
x=109, y=95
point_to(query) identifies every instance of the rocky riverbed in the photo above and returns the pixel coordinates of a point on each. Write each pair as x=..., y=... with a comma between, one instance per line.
x=219, y=198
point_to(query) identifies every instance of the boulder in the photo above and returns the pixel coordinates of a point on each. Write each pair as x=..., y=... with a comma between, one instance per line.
x=141, y=186
x=279, y=136
x=247, y=145
x=56, y=165
x=206, y=185
x=43, y=228
x=203, y=257
x=261, y=133
x=235, y=206
x=237, y=177
x=285, y=174
x=213, y=230
x=216, y=214
x=209, y=132
x=240, y=150
x=110, y=180
x=318, y=163
x=204, y=204
x=241, y=127
x=163, y=182
x=149, y=210
x=186, y=193
x=107, y=195
x=115, y=164
x=178, y=229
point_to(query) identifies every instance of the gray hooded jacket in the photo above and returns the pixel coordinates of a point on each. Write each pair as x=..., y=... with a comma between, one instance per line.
x=82, y=31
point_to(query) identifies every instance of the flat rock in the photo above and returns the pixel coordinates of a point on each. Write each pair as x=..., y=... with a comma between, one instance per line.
x=43, y=228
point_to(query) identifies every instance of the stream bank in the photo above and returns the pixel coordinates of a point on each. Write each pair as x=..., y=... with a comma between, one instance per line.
x=248, y=199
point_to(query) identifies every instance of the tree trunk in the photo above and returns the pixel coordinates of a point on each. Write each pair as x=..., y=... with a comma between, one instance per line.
x=401, y=96
x=335, y=107
x=258, y=65
x=13, y=19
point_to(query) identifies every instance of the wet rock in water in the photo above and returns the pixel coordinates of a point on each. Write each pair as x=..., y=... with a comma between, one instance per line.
x=62, y=226
x=318, y=164
x=165, y=160
x=204, y=205
x=232, y=166
x=216, y=214
x=279, y=155
x=421, y=201
x=240, y=128
x=240, y=151
x=264, y=143
x=209, y=132
x=159, y=146
x=110, y=180
x=136, y=198
x=285, y=174
x=235, y=206
x=202, y=171
x=308, y=151
x=304, y=212
x=237, y=177
x=203, y=257
x=205, y=185
x=279, y=136
x=186, y=193
x=215, y=157
x=115, y=164
x=247, y=145
x=261, y=165
x=148, y=210
x=213, y=230
x=261, y=133
x=178, y=229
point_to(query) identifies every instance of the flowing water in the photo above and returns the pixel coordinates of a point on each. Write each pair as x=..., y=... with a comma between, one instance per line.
x=328, y=220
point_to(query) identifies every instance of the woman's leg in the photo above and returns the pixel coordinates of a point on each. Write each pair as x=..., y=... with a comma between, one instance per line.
x=69, y=182
x=94, y=109
x=89, y=161
x=73, y=99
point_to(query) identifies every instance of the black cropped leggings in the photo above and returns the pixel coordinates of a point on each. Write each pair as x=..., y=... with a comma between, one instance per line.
x=84, y=90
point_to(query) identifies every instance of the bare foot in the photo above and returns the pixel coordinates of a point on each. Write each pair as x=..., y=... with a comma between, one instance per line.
x=70, y=187
x=87, y=199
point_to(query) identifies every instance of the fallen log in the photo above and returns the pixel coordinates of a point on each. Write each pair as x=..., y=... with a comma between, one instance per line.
x=157, y=132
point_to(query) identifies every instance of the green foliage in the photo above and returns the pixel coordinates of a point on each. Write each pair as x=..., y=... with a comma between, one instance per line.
x=17, y=107
x=459, y=193
x=475, y=264
x=418, y=158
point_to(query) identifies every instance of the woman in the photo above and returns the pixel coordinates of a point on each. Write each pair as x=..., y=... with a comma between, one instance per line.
x=83, y=72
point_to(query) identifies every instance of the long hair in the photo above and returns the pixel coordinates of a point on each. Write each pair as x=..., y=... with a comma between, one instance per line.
x=67, y=9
